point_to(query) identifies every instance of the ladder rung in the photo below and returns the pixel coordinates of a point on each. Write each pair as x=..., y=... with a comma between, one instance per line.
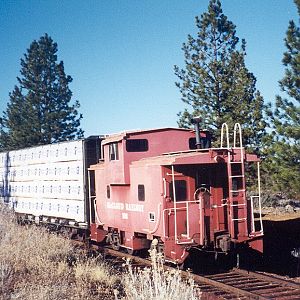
x=240, y=204
x=236, y=191
x=237, y=176
x=241, y=219
x=185, y=241
x=256, y=233
x=236, y=162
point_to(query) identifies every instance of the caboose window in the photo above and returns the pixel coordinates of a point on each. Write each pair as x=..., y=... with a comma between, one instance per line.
x=113, y=151
x=137, y=145
x=205, y=142
x=180, y=190
x=192, y=143
x=107, y=191
x=141, y=192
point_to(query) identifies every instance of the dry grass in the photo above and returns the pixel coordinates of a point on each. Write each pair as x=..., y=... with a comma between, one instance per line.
x=34, y=265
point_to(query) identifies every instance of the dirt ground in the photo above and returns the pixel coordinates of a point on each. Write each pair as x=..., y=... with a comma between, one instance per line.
x=281, y=237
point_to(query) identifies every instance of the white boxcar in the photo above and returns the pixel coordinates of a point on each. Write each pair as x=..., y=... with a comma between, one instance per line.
x=50, y=181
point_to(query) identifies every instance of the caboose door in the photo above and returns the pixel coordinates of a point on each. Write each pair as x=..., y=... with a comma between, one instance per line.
x=182, y=212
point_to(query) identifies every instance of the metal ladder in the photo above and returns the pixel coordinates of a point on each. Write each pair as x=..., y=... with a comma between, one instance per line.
x=236, y=182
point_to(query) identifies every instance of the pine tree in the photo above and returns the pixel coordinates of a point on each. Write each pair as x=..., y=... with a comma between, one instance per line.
x=39, y=110
x=215, y=82
x=283, y=160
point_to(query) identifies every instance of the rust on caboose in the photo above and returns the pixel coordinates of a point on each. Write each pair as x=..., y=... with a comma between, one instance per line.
x=169, y=189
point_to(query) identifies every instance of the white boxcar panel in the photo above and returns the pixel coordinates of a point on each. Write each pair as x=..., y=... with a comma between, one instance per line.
x=67, y=209
x=72, y=170
x=45, y=180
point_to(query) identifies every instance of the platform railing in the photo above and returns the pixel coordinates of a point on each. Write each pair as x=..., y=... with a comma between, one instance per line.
x=175, y=210
x=258, y=197
x=254, y=231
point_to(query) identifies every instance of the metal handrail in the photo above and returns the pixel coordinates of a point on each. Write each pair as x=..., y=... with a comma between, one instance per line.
x=185, y=208
x=90, y=195
x=158, y=219
x=174, y=199
x=96, y=214
x=253, y=230
x=259, y=204
x=224, y=125
x=237, y=127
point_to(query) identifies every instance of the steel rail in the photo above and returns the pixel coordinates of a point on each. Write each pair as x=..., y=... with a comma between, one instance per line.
x=235, y=284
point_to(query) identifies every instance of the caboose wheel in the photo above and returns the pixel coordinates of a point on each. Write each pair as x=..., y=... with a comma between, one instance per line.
x=159, y=247
x=115, y=242
x=116, y=246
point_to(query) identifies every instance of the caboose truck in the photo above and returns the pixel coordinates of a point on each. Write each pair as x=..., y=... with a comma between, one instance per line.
x=195, y=197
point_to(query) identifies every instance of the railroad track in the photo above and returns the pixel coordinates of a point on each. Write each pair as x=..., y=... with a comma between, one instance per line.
x=253, y=285
x=235, y=284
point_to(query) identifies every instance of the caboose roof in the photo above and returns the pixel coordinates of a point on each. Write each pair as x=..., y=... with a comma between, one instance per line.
x=126, y=134
x=176, y=158
x=198, y=156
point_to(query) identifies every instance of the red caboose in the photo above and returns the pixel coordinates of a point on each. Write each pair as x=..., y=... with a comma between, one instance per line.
x=170, y=187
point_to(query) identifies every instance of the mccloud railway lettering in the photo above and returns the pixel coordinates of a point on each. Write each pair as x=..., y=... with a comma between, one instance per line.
x=126, y=206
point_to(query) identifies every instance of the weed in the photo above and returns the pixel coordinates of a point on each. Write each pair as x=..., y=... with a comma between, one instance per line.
x=154, y=283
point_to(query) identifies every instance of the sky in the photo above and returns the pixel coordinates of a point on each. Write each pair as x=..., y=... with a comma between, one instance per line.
x=121, y=53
